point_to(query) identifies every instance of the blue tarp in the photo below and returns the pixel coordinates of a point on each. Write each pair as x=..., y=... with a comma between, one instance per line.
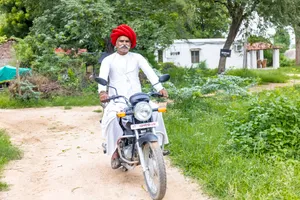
x=8, y=73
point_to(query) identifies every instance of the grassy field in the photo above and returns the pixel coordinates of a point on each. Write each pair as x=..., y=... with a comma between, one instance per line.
x=67, y=101
x=7, y=153
x=199, y=139
x=199, y=145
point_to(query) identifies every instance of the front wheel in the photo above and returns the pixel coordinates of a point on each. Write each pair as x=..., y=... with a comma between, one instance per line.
x=155, y=174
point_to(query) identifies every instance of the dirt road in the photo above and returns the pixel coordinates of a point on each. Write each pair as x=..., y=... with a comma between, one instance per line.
x=63, y=160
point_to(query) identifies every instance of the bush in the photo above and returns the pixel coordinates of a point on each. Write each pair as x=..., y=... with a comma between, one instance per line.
x=232, y=85
x=28, y=91
x=285, y=62
x=271, y=126
x=3, y=39
x=187, y=77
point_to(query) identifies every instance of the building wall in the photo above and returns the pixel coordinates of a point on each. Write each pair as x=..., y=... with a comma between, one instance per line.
x=180, y=53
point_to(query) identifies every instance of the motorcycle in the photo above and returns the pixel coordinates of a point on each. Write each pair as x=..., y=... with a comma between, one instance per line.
x=140, y=143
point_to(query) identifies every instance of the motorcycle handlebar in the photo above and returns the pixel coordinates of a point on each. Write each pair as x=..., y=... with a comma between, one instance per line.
x=155, y=94
x=115, y=97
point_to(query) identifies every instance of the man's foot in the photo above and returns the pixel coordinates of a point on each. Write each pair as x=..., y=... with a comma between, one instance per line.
x=115, y=160
x=166, y=152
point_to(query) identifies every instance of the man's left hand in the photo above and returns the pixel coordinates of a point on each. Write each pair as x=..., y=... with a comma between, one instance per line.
x=163, y=92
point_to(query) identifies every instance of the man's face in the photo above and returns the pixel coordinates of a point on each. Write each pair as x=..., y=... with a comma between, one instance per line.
x=123, y=45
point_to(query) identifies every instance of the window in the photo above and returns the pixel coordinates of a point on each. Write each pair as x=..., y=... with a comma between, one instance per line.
x=195, y=56
x=238, y=48
x=160, y=55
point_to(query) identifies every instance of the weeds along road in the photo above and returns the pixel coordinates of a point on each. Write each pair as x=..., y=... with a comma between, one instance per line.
x=63, y=160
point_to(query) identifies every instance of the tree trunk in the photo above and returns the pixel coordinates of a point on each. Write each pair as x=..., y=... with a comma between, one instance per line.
x=297, y=38
x=234, y=29
x=109, y=48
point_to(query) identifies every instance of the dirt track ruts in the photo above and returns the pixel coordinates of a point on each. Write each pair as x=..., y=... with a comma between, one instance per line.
x=63, y=160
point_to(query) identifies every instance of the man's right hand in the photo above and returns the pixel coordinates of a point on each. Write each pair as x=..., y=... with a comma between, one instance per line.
x=103, y=96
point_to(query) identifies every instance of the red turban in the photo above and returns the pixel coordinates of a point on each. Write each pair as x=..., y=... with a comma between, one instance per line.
x=123, y=30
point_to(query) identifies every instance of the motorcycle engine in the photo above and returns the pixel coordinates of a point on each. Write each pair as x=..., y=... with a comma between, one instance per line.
x=127, y=150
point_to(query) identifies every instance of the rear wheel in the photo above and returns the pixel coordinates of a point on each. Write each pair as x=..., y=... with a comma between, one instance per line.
x=155, y=174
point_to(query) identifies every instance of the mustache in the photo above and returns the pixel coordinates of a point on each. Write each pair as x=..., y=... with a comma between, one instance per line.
x=124, y=46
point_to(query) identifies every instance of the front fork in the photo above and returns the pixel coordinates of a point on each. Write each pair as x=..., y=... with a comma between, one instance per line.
x=140, y=150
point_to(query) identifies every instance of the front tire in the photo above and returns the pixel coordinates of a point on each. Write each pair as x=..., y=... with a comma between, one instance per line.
x=155, y=174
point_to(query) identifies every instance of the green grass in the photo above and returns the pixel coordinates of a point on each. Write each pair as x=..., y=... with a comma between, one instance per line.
x=7, y=152
x=290, y=70
x=263, y=75
x=198, y=142
x=66, y=101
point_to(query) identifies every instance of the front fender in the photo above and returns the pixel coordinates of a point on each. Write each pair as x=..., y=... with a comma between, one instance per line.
x=148, y=137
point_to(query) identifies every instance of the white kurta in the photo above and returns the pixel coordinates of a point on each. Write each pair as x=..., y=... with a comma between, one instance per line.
x=123, y=73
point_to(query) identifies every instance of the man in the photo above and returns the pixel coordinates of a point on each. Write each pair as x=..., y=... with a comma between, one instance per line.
x=122, y=69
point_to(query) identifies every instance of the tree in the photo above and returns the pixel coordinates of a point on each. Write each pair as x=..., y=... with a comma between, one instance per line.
x=239, y=11
x=284, y=13
x=19, y=15
x=282, y=39
x=16, y=18
x=206, y=20
x=37, y=8
x=155, y=22
x=75, y=24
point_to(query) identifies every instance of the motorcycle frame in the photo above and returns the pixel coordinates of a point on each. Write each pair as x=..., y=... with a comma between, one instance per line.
x=138, y=145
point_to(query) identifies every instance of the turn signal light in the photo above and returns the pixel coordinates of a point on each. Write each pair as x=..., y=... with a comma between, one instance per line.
x=162, y=109
x=121, y=114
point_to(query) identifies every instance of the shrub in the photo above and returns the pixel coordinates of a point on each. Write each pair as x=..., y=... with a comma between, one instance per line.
x=271, y=126
x=166, y=66
x=28, y=91
x=183, y=77
x=3, y=39
x=285, y=62
x=232, y=85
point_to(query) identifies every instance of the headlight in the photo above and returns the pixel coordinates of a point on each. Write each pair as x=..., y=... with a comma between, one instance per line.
x=142, y=111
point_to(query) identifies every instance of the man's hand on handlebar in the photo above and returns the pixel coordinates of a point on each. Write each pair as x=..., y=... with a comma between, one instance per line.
x=164, y=93
x=103, y=96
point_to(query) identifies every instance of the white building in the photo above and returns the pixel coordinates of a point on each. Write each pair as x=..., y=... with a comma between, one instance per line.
x=188, y=53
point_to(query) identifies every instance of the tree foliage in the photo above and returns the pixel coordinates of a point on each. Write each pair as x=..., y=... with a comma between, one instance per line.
x=284, y=13
x=37, y=8
x=75, y=24
x=282, y=39
x=16, y=19
x=155, y=22
x=206, y=20
x=72, y=24
x=239, y=11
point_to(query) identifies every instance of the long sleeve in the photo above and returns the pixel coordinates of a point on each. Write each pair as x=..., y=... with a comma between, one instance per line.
x=104, y=72
x=149, y=72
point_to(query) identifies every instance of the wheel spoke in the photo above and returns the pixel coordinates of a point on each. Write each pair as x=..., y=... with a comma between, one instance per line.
x=155, y=176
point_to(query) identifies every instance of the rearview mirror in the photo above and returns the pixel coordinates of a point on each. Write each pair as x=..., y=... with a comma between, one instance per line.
x=164, y=78
x=101, y=81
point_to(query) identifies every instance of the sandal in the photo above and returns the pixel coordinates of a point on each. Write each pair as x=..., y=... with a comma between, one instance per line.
x=115, y=160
